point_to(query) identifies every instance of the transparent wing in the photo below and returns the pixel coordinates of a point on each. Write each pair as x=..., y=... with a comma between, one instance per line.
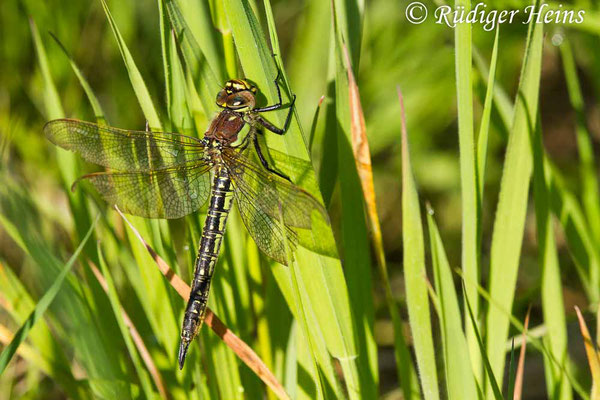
x=167, y=193
x=123, y=150
x=263, y=199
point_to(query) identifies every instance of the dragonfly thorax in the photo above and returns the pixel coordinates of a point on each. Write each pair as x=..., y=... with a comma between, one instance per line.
x=225, y=128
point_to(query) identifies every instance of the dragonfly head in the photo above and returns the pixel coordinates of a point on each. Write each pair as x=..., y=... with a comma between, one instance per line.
x=238, y=95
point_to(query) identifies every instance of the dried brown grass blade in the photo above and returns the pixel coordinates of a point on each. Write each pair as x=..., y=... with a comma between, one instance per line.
x=137, y=339
x=362, y=157
x=518, y=390
x=592, y=355
x=239, y=347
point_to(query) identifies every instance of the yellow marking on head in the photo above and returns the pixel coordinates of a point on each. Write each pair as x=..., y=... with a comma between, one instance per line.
x=238, y=85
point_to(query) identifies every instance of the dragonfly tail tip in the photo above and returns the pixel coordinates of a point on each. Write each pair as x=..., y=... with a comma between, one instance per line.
x=183, y=349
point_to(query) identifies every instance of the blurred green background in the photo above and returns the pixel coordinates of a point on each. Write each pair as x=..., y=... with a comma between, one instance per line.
x=419, y=59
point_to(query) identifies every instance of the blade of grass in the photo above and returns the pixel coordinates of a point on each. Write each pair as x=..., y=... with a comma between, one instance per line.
x=481, y=158
x=28, y=353
x=222, y=25
x=491, y=379
x=48, y=355
x=313, y=338
x=306, y=319
x=194, y=58
x=484, y=127
x=517, y=394
x=127, y=328
x=552, y=301
x=460, y=380
x=592, y=355
x=415, y=275
x=309, y=53
x=581, y=245
x=98, y=112
x=355, y=238
x=197, y=15
x=67, y=161
x=42, y=305
x=533, y=339
x=501, y=101
x=182, y=98
x=563, y=203
x=511, y=370
x=512, y=204
x=137, y=82
x=349, y=17
x=76, y=306
x=322, y=276
x=362, y=158
x=165, y=37
x=51, y=99
x=587, y=166
x=470, y=201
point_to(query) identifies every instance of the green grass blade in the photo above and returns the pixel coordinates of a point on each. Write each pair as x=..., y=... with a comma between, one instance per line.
x=320, y=370
x=165, y=41
x=42, y=305
x=552, y=300
x=534, y=341
x=195, y=59
x=512, y=204
x=471, y=202
x=484, y=127
x=48, y=355
x=349, y=17
x=181, y=95
x=137, y=82
x=310, y=52
x=415, y=275
x=355, y=243
x=53, y=107
x=125, y=334
x=322, y=276
x=589, y=178
x=460, y=379
x=501, y=101
x=161, y=314
x=51, y=99
x=511, y=371
x=98, y=112
x=566, y=207
x=491, y=379
x=197, y=17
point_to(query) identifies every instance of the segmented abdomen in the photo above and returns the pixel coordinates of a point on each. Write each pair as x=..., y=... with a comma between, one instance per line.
x=210, y=244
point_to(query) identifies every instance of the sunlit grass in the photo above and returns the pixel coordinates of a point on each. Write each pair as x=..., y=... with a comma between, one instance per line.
x=474, y=147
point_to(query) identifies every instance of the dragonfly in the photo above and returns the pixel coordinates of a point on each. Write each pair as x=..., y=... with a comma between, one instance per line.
x=170, y=175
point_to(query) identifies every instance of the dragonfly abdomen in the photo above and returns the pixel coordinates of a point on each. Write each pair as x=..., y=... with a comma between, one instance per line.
x=210, y=245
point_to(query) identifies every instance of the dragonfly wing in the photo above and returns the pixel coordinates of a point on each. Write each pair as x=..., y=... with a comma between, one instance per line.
x=124, y=150
x=167, y=193
x=265, y=199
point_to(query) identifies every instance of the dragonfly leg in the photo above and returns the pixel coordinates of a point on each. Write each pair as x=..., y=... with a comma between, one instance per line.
x=264, y=162
x=273, y=128
x=279, y=103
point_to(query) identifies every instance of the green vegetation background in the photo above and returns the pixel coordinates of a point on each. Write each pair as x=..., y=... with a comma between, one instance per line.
x=324, y=334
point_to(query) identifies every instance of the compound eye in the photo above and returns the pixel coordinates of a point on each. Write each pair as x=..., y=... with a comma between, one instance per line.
x=222, y=98
x=237, y=101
